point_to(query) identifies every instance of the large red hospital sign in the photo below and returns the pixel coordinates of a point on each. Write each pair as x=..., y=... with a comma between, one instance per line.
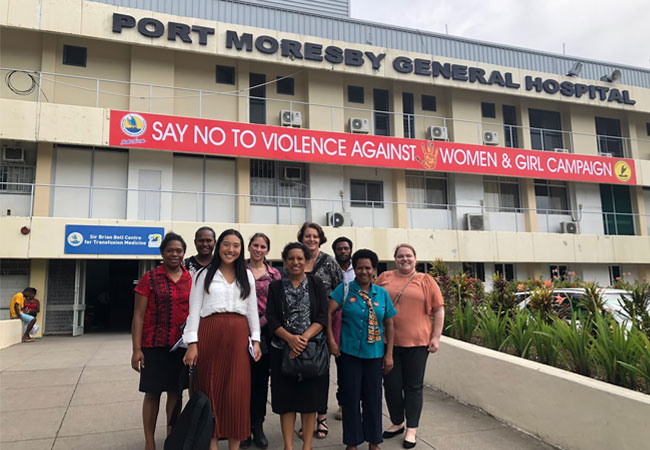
x=188, y=134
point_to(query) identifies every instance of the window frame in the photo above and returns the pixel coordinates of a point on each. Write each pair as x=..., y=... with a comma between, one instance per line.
x=505, y=268
x=366, y=202
x=351, y=89
x=431, y=98
x=230, y=70
x=474, y=270
x=548, y=185
x=283, y=191
x=285, y=85
x=488, y=110
x=424, y=176
x=66, y=48
x=500, y=182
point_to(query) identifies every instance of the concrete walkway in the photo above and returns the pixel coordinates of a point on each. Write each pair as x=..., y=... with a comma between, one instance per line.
x=81, y=393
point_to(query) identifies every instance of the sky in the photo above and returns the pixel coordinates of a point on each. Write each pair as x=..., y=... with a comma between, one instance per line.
x=611, y=31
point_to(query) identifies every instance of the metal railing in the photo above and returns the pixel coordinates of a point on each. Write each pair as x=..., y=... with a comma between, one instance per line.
x=76, y=201
x=156, y=98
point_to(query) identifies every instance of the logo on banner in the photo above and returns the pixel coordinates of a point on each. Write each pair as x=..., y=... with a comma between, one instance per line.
x=430, y=154
x=75, y=239
x=622, y=171
x=133, y=125
x=154, y=240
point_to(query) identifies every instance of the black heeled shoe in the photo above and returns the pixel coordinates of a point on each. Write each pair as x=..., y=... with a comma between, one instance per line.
x=407, y=444
x=390, y=434
x=245, y=443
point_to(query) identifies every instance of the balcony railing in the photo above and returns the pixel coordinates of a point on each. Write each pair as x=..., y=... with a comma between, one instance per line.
x=155, y=98
x=83, y=202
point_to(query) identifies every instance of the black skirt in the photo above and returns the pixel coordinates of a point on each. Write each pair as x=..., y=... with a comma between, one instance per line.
x=290, y=395
x=161, y=370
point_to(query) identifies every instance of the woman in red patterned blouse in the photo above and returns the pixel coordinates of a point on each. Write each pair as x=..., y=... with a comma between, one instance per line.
x=161, y=307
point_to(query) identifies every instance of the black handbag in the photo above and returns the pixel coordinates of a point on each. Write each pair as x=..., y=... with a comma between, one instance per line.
x=313, y=362
x=193, y=428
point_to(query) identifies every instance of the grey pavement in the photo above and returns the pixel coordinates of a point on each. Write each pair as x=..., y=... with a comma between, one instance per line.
x=81, y=393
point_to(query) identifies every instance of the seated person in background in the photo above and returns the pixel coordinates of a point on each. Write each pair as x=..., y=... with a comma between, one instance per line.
x=24, y=306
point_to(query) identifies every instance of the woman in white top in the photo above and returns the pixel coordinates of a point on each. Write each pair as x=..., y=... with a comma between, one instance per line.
x=223, y=314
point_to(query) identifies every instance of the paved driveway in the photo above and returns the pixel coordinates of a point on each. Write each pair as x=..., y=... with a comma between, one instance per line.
x=81, y=393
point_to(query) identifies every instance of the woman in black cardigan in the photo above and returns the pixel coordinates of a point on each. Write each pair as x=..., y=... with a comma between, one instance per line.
x=296, y=311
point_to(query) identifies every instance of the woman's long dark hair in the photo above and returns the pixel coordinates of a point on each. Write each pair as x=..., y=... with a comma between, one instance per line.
x=240, y=265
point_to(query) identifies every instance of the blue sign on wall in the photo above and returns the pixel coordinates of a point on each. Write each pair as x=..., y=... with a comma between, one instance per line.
x=111, y=240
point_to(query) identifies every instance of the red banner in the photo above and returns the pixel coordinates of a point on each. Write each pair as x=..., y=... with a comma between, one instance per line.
x=188, y=134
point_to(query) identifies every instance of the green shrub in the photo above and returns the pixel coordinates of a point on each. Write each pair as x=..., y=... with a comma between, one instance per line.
x=575, y=340
x=635, y=309
x=493, y=328
x=545, y=342
x=502, y=298
x=614, y=352
x=642, y=366
x=464, y=322
x=520, y=332
x=542, y=303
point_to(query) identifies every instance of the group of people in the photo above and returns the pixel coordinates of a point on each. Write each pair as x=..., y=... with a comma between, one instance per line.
x=244, y=322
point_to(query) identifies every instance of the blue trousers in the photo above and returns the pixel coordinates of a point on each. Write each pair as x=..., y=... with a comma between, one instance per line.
x=360, y=385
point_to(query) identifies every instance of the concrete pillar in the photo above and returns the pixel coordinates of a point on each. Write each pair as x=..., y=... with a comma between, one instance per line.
x=243, y=72
x=397, y=122
x=152, y=66
x=325, y=88
x=243, y=190
x=631, y=150
x=38, y=280
x=530, y=203
x=42, y=194
x=524, y=120
x=580, y=120
x=638, y=207
x=463, y=105
x=400, y=211
x=48, y=64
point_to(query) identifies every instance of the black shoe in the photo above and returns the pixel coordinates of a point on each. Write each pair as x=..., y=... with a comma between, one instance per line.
x=390, y=434
x=246, y=443
x=407, y=444
x=258, y=436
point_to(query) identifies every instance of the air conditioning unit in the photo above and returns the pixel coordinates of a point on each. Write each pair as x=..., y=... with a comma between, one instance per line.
x=475, y=222
x=290, y=118
x=490, y=138
x=436, y=133
x=561, y=150
x=609, y=155
x=13, y=154
x=569, y=227
x=359, y=125
x=338, y=219
x=292, y=173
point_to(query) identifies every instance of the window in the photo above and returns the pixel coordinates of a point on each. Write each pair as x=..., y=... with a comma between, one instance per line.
x=257, y=100
x=382, y=119
x=506, y=270
x=426, y=190
x=615, y=274
x=551, y=197
x=13, y=177
x=618, y=218
x=428, y=103
x=367, y=193
x=423, y=267
x=355, y=94
x=558, y=272
x=270, y=187
x=608, y=132
x=225, y=75
x=74, y=56
x=545, y=129
x=285, y=85
x=510, y=130
x=647, y=128
x=474, y=270
x=408, y=108
x=488, y=110
x=501, y=194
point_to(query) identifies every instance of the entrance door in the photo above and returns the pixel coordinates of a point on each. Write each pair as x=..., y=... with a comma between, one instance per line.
x=79, y=306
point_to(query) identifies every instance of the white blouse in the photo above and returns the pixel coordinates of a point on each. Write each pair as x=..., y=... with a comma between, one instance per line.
x=224, y=297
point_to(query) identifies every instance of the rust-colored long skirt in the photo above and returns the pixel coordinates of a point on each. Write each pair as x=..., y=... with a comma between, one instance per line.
x=224, y=373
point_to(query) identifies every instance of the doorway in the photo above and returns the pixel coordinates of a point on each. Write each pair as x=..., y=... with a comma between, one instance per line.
x=109, y=294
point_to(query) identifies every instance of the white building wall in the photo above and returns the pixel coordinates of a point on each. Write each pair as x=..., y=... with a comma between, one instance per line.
x=72, y=167
x=220, y=187
x=110, y=171
x=467, y=192
x=153, y=161
x=588, y=195
x=187, y=177
x=15, y=204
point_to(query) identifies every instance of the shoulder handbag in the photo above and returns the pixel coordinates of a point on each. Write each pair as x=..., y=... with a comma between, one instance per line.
x=313, y=362
x=399, y=294
x=193, y=428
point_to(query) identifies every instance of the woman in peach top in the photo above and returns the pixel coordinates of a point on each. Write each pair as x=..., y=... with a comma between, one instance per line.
x=417, y=299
